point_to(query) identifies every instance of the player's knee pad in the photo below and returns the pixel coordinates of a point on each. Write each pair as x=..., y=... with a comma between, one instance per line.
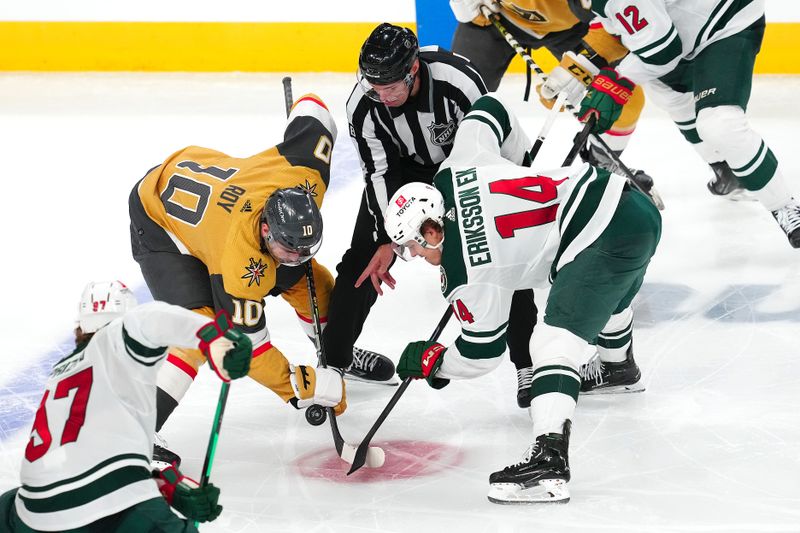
x=551, y=345
x=630, y=112
x=270, y=368
x=727, y=129
x=206, y=311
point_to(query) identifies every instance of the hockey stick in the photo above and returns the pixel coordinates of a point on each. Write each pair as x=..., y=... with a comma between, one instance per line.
x=344, y=450
x=579, y=141
x=548, y=124
x=542, y=77
x=361, y=453
x=214, y=437
x=315, y=414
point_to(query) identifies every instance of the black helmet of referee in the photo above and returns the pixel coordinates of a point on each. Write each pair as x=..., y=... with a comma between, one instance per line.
x=388, y=54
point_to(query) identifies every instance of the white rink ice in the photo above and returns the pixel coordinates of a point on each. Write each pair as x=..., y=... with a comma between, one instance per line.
x=712, y=445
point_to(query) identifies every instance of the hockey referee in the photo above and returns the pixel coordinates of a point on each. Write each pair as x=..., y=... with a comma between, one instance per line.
x=403, y=114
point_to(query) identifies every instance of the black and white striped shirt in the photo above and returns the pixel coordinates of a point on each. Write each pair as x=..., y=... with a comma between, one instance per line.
x=407, y=143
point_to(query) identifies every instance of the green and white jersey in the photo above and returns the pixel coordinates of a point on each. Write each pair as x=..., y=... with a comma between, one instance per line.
x=507, y=227
x=90, y=448
x=659, y=33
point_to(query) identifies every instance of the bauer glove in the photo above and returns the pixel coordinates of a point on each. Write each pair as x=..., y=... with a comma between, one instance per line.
x=227, y=349
x=422, y=359
x=187, y=497
x=607, y=94
x=572, y=76
x=320, y=385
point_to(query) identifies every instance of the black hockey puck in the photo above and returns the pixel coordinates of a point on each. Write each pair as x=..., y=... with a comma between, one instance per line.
x=316, y=415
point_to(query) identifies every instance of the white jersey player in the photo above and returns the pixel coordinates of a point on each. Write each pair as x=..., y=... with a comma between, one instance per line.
x=494, y=226
x=87, y=462
x=696, y=59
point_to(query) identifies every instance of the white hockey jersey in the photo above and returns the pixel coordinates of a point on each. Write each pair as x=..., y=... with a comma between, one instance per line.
x=507, y=227
x=659, y=33
x=92, y=440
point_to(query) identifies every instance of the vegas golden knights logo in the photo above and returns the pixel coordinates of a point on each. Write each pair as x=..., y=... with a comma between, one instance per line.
x=530, y=15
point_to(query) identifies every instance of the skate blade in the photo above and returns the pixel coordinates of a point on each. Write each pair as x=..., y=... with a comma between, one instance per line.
x=740, y=195
x=617, y=389
x=391, y=382
x=546, y=491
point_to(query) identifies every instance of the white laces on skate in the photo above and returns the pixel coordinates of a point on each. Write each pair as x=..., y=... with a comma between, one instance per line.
x=592, y=370
x=788, y=217
x=524, y=377
x=526, y=457
x=364, y=359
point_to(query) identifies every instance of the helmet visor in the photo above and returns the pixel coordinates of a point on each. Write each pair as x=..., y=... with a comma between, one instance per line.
x=403, y=251
x=389, y=93
x=291, y=256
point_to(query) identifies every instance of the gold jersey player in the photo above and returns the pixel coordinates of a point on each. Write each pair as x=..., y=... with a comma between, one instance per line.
x=566, y=30
x=213, y=232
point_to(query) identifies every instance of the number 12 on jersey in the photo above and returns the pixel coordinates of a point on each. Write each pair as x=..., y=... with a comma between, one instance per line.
x=522, y=188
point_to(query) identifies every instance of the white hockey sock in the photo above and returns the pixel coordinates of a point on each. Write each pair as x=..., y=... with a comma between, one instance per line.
x=776, y=193
x=616, y=337
x=308, y=325
x=549, y=411
x=557, y=353
x=175, y=377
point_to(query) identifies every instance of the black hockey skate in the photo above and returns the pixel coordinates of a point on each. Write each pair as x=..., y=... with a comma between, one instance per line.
x=163, y=456
x=371, y=367
x=724, y=183
x=788, y=217
x=600, y=377
x=541, y=476
x=524, y=380
x=596, y=156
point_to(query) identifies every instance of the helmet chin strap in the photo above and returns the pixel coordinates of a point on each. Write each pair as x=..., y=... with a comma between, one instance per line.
x=429, y=245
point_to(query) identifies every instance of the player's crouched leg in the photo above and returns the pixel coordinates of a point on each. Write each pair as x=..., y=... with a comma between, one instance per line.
x=9, y=521
x=603, y=279
x=271, y=369
x=150, y=515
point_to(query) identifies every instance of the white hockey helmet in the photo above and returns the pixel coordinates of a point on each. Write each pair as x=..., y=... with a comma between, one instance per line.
x=409, y=208
x=102, y=302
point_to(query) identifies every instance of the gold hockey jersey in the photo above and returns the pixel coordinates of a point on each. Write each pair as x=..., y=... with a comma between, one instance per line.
x=539, y=17
x=210, y=203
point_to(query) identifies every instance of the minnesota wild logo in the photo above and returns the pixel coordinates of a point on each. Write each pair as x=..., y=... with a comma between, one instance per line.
x=254, y=272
